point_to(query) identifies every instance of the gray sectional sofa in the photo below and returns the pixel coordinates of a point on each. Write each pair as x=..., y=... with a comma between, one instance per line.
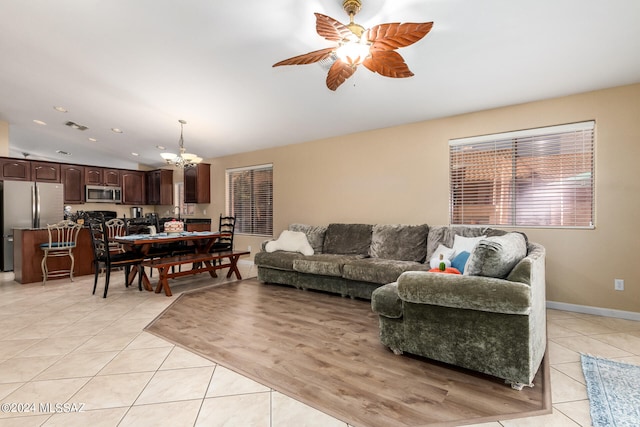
x=490, y=319
x=355, y=259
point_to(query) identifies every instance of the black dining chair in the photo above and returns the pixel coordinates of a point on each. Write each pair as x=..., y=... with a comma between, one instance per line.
x=104, y=258
x=226, y=224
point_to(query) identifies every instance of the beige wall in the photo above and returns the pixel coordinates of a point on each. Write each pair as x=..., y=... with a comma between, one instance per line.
x=4, y=138
x=400, y=175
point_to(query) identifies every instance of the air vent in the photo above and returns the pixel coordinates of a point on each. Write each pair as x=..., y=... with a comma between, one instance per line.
x=64, y=153
x=76, y=126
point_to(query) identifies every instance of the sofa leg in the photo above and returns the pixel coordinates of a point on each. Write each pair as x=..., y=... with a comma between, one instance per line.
x=396, y=351
x=518, y=386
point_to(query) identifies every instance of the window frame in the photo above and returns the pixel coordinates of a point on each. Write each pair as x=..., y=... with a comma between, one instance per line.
x=530, y=174
x=255, y=227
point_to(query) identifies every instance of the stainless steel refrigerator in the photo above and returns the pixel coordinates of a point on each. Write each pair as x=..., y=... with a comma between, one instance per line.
x=27, y=205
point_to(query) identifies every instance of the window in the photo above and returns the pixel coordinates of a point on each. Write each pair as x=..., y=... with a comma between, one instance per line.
x=250, y=199
x=538, y=177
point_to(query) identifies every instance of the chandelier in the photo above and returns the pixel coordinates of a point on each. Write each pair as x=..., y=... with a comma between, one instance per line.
x=184, y=159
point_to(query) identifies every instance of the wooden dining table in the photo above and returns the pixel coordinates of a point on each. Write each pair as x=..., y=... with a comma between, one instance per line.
x=142, y=244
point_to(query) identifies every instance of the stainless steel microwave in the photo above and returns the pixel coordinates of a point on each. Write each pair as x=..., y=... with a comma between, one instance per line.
x=100, y=194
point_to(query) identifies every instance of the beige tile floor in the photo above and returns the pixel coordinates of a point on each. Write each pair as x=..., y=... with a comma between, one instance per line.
x=60, y=344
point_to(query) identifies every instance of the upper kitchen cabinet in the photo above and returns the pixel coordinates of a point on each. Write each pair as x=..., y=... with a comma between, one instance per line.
x=160, y=187
x=45, y=172
x=15, y=170
x=73, y=181
x=132, y=187
x=102, y=176
x=197, y=182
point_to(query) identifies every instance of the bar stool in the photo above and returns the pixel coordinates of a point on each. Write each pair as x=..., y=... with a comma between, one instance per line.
x=63, y=238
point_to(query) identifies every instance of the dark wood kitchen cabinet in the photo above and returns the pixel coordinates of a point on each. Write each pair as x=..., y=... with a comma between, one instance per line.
x=73, y=181
x=197, y=182
x=160, y=187
x=15, y=170
x=132, y=187
x=102, y=176
x=45, y=172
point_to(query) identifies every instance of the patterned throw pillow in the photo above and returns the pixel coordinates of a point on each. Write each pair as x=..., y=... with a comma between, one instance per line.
x=496, y=256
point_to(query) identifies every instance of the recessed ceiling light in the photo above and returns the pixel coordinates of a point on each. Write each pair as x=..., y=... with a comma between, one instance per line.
x=161, y=147
x=116, y=130
x=93, y=140
x=135, y=154
x=60, y=109
x=39, y=122
x=65, y=153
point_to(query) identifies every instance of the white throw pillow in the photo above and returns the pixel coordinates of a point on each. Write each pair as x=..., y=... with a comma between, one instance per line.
x=465, y=244
x=292, y=241
x=447, y=253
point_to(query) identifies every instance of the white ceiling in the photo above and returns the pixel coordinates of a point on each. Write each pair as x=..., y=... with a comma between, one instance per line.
x=141, y=65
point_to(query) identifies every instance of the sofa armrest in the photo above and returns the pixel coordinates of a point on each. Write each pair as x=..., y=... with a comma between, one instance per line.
x=465, y=292
x=385, y=301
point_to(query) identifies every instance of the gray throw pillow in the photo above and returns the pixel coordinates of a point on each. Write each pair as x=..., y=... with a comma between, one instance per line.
x=347, y=239
x=496, y=256
x=399, y=242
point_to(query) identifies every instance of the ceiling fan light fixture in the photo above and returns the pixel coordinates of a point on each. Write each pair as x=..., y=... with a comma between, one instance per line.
x=353, y=52
x=374, y=48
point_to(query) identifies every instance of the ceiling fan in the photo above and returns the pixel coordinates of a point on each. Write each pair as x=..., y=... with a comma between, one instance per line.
x=374, y=48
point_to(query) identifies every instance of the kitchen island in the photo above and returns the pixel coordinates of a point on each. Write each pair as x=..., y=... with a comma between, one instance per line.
x=27, y=255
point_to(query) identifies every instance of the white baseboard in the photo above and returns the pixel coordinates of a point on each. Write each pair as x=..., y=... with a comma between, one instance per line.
x=598, y=311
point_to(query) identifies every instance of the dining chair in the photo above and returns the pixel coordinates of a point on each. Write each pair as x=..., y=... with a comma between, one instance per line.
x=115, y=227
x=104, y=258
x=226, y=224
x=63, y=238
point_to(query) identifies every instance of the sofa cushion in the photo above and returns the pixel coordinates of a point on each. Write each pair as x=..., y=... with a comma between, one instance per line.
x=378, y=270
x=281, y=260
x=315, y=234
x=445, y=235
x=347, y=239
x=400, y=242
x=322, y=264
x=496, y=256
x=292, y=241
x=465, y=292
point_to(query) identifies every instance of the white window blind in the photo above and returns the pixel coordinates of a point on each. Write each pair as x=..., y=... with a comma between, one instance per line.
x=537, y=177
x=250, y=199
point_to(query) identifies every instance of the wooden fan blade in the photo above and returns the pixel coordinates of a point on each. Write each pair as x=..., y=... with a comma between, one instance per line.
x=331, y=29
x=396, y=35
x=307, y=58
x=388, y=63
x=338, y=73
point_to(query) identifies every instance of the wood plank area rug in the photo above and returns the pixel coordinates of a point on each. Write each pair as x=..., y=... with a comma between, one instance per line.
x=323, y=350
